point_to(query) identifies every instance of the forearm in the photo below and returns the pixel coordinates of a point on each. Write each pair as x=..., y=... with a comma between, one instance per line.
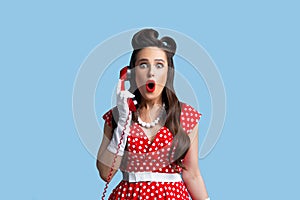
x=191, y=175
x=196, y=186
x=105, y=161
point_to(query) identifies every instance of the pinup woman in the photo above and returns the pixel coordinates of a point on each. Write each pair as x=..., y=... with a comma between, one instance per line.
x=156, y=145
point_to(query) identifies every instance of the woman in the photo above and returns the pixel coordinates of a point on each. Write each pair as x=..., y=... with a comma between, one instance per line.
x=156, y=146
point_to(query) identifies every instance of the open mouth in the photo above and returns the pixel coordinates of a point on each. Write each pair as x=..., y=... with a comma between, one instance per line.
x=150, y=86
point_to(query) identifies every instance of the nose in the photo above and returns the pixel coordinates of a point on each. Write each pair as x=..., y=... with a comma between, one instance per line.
x=151, y=71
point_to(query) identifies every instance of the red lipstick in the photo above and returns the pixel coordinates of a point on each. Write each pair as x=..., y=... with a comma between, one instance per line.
x=150, y=86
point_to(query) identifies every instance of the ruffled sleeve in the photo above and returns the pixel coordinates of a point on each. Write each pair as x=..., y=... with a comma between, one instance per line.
x=189, y=117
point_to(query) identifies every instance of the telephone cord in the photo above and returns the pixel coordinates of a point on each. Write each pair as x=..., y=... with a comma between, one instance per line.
x=114, y=160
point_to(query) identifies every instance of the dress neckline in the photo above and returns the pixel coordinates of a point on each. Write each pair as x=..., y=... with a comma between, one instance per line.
x=145, y=135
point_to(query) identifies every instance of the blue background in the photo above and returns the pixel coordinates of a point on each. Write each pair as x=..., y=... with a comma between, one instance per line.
x=255, y=45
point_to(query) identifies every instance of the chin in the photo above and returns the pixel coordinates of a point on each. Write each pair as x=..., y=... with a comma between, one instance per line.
x=151, y=95
x=148, y=96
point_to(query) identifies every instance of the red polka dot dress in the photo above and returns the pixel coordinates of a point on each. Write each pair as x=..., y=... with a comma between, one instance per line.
x=143, y=155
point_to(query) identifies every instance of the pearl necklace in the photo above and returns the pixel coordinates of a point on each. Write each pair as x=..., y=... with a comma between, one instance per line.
x=151, y=124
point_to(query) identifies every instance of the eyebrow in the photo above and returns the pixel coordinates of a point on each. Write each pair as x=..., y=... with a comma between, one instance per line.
x=161, y=60
x=145, y=59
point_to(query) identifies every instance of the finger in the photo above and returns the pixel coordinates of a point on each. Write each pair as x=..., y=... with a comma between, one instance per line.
x=128, y=94
x=121, y=94
x=119, y=86
x=125, y=94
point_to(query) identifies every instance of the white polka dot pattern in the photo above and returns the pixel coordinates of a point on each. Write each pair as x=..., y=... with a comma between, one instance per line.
x=150, y=190
x=153, y=156
x=189, y=117
x=144, y=155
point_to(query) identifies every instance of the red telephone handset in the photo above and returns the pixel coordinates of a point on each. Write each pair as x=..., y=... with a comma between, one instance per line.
x=125, y=74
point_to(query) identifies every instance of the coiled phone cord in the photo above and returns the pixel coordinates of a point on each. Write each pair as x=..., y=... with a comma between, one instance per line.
x=115, y=159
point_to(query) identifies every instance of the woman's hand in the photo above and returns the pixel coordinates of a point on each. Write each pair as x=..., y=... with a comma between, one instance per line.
x=123, y=124
x=122, y=99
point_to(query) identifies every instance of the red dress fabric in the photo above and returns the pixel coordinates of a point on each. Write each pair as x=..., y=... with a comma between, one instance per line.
x=144, y=155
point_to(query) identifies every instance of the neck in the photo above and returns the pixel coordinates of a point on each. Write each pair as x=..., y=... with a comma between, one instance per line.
x=149, y=104
x=150, y=112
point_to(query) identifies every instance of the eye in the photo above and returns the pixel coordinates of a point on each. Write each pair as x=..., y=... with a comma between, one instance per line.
x=143, y=65
x=159, y=65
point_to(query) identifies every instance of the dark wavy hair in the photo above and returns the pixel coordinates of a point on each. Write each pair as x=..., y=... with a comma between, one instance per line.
x=149, y=38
